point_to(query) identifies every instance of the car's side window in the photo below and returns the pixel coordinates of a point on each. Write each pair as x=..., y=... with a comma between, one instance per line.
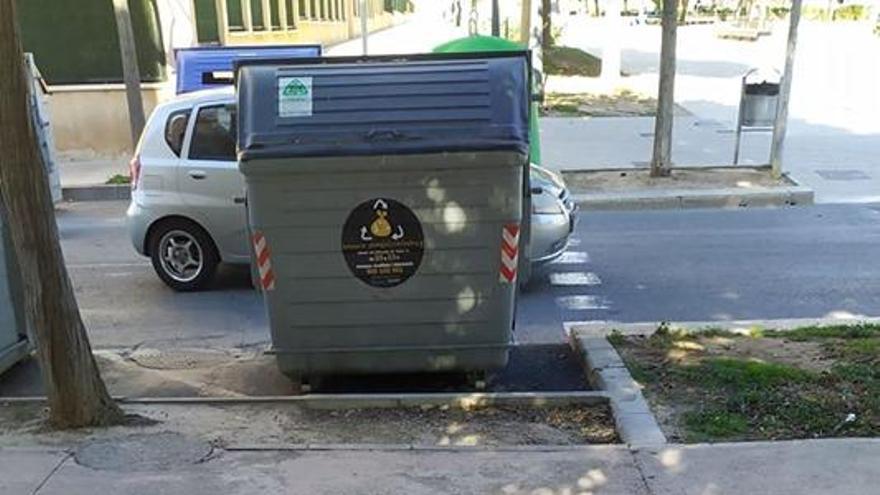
x=175, y=129
x=213, y=136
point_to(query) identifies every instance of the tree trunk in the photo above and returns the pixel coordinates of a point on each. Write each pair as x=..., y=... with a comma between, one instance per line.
x=661, y=161
x=546, y=25
x=611, y=44
x=682, y=16
x=777, y=145
x=596, y=12
x=77, y=395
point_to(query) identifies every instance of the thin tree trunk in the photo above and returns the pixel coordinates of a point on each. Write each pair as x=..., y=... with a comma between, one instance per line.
x=611, y=45
x=596, y=12
x=682, y=16
x=546, y=25
x=77, y=395
x=661, y=161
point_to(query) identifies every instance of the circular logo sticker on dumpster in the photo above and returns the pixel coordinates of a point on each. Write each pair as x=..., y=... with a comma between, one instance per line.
x=382, y=242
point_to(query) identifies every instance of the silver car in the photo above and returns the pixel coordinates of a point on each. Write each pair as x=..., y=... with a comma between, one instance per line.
x=187, y=210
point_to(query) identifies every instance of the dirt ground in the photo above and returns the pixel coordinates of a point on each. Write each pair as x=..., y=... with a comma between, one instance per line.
x=719, y=386
x=681, y=178
x=617, y=104
x=274, y=424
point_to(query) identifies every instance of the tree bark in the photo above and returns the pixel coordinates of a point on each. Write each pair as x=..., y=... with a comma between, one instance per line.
x=661, y=161
x=611, y=44
x=777, y=145
x=546, y=25
x=77, y=395
x=130, y=72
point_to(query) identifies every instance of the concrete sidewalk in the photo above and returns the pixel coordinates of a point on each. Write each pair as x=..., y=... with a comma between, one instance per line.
x=795, y=467
x=838, y=166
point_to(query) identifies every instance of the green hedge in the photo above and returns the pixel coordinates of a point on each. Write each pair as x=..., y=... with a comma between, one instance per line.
x=852, y=12
x=75, y=41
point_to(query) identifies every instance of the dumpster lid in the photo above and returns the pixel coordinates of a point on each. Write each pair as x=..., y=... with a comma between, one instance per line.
x=211, y=66
x=384, y=105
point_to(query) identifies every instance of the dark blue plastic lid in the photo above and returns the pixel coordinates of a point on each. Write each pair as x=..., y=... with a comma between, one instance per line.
x=209, y=67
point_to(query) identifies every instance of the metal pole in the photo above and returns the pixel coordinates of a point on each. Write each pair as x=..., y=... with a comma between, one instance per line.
x=496, y=19
x=364, y=33
x=779, y=127
x=130, y=72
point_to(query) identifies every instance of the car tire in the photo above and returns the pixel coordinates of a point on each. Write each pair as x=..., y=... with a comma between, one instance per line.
x=183, y=255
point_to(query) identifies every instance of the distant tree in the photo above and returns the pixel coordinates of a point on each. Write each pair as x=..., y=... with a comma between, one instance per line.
x=77, y=395
x=682, y=15
x=546, y=25
x=661, y=160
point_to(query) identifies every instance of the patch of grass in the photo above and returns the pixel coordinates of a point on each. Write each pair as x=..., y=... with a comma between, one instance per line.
x=118, y=179
x=714, y=424
x=743, y=374
x=616, y=338
x=856, y=331
x=718, y=396
x=641, y=373
x=568, y=61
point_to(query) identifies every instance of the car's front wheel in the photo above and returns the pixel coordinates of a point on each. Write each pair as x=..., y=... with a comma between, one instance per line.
x=183, y=255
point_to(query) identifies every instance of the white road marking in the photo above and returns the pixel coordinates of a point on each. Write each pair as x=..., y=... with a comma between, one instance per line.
x=574, y=278
x=582, y=302
x=572, y=258
x=574, y=241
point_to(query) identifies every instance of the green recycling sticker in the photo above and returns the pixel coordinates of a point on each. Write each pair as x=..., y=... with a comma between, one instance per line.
x=294, y=96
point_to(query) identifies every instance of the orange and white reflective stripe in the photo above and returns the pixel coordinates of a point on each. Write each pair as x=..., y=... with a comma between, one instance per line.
x=264, y=263
x=509, y=253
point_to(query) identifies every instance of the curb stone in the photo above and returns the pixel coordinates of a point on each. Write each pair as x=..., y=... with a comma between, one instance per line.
x=700, y=198
x=463, y=400
x=607, y=372
x=103, y=192
x=599, y=329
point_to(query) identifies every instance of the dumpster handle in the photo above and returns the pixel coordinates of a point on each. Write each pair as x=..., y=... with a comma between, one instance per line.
x=384, y=135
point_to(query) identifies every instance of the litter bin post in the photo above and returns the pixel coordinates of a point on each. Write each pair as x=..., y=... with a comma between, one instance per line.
x=759, y=97
x=386, y=198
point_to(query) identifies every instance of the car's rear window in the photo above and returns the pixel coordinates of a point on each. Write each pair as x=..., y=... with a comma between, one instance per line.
x=214, y=134
x=175, y=129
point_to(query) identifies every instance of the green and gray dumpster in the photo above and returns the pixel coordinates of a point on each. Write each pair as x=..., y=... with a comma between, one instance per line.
x=386, y=199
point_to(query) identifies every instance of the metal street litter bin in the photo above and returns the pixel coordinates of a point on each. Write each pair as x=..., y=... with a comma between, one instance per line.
x=759, y=97
x=759, y=104
x=385, y=197
x=14, y=344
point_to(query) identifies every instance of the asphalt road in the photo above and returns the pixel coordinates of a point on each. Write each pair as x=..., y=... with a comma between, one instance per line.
x=625, y=266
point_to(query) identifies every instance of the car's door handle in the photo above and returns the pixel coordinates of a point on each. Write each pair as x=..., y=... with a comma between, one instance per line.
x=197, y=174
x=239, y=200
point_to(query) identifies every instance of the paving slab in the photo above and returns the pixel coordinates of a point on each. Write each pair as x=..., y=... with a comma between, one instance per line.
x=800, y=467
x=603, y=470
x=25, y=470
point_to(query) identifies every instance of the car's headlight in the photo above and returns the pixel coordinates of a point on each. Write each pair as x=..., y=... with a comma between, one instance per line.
x=546, y=204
